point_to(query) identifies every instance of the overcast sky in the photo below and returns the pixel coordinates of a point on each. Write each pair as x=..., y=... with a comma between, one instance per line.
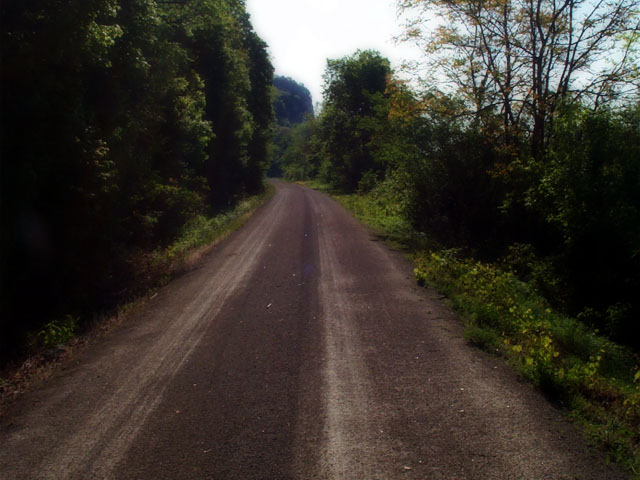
x=302, y=34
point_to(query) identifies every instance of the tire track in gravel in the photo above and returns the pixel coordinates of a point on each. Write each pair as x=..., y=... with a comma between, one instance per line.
x=301, y=348
x=405, y=397
x=353, y=444
x=107, y=425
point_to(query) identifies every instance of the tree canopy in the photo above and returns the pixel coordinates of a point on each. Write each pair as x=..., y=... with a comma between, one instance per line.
x=120, y=121
x=522, y=59
x=355, y=107
x=294, y=114
x=472, y=168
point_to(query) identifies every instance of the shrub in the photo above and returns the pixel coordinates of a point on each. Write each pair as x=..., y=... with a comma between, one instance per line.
x=58, y=331
x=598, y=379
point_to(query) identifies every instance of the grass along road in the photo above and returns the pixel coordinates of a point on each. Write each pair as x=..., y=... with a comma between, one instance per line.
x=299, y=348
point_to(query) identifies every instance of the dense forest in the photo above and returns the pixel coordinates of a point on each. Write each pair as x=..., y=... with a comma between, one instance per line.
x=292, y=105
x=121, y=120
x=514, y=149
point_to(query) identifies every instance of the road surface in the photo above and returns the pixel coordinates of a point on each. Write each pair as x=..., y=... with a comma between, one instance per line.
x=300, y=348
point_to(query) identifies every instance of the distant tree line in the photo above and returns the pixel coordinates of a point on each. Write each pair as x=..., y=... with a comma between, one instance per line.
x=120, y=121
x=547, y=185
x=292, y=105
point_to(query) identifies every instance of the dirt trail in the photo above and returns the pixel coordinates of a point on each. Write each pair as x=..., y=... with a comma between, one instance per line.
x=300, y=348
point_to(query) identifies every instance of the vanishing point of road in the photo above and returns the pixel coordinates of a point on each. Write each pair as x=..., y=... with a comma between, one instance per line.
x=299, y=348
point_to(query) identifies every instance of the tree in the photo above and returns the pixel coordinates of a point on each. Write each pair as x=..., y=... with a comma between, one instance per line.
x=292, y=107
x=590, y=193
x=260, y=106
x=57, y=173
x=119, y=121
x=442, y=167
x=353, y=116
x=520, y=59
x=234, y=65
x=300, y=160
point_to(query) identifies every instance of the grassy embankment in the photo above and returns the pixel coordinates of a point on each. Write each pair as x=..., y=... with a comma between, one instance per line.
x=595, y=380
x=64, y=336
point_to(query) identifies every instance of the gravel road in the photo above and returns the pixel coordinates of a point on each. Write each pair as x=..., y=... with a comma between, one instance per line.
x=300, y=348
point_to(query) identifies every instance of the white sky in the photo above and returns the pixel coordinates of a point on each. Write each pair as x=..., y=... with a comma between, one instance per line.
x=302, y=34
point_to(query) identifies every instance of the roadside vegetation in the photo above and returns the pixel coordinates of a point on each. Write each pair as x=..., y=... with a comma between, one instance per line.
x=131, y=131
x=136, y=132
x=200, y=233
x=596, y=380
x=593, y=377
x=62, y=337
x=511, y=174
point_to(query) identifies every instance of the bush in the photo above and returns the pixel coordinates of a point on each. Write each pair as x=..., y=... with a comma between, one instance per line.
x=590, y=191
x=58, y=332
x=598, y=379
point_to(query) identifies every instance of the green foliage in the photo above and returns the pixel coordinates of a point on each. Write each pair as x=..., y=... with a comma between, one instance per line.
x=596, y=378
x=544, y=219
x=453, y=194
x=299, y=159
x=233, y=62
x=201, y=231
x=541, y=273
x=353, y=116
x=294, y=155
x=367, y=182
x=515, y=63
x=121, y=121
x=482, y=338
x=589, y=191
x=381, y=207
x=58, y=332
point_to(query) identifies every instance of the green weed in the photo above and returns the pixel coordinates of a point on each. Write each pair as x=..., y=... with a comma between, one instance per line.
x=161, y=266
x=58, y=331
x=590, y=375
x=596, y=380
x=483, y=338
x=202, y=231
